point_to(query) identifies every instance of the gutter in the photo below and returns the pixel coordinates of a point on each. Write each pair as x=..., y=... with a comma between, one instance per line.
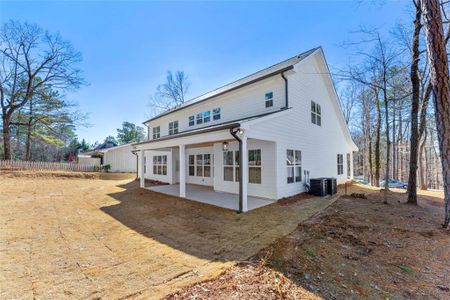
x=241, y=170
x=286, y=90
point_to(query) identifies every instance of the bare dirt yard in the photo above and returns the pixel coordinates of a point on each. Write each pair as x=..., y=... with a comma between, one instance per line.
x=355, y=249
x=91, y=236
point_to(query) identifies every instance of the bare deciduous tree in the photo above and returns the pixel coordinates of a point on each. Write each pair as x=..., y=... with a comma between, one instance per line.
x=32, y=58
x=170, y=94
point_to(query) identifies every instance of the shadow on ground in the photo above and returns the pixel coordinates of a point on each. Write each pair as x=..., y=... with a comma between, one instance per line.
x=206, y=231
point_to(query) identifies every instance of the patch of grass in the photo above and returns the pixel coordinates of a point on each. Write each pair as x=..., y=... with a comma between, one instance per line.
x=388, y=221
x=310, y=253
x=406, y=269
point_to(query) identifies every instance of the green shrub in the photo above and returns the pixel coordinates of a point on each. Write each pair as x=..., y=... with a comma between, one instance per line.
x=106, y=168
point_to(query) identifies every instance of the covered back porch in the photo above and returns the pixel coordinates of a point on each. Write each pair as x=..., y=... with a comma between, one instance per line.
x=207, y=195
x=236, y=170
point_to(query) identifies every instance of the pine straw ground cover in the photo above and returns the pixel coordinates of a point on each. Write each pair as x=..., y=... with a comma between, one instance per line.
x=356, y=248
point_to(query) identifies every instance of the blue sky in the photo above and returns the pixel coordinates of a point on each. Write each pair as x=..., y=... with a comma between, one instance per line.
x=128, y=46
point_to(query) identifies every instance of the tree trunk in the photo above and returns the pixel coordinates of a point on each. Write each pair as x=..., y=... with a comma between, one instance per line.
x=6, y=120
x=370, y=162
x=388, y=141
x=437, y=55
x=414, y=138
x=422, y=169
x=394, y=156
x=29, y=129
x=377, y=144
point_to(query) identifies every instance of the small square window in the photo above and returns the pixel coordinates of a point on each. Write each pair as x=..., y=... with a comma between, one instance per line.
x=206, y=116
x=191, y=121
x=216, y=114
x=269, y=99
x=199, y=118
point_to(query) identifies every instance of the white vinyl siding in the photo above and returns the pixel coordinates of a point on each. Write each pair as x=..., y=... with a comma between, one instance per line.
x=241, y=103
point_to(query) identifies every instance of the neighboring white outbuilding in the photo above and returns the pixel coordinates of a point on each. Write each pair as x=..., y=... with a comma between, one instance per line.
x=255, y=138
x=120, y=158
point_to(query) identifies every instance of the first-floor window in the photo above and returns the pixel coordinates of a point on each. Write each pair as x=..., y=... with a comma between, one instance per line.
x=160, y=164
x=294, y=165
x=231, y=166
x=191, y=165
x=200, y=165
x=348, y=165
x=340, y=164
x=145, y=164
x=254, y=166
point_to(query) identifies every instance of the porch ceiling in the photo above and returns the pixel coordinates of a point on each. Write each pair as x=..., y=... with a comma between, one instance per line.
x=206, y=194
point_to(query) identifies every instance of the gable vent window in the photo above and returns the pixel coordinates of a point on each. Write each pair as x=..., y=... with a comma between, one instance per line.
x=269, y=99
x=191, y=121
x=316, y=113
x=173, y=127
x=156, y=132
x=216, y=114
x=199, y=118
x=206, y=116
x=340, y=164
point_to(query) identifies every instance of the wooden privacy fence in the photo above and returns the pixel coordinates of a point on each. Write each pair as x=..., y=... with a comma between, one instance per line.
x=42, y=165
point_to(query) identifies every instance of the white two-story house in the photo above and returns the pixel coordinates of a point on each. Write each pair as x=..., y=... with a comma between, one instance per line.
x=254, y=139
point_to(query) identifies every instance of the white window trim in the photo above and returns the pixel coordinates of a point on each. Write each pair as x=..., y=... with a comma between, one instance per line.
x=317, y=114
x=268, y=100
x=340, y=164
x=255, y=166
x=156, y=132
x=174, y=129
x=217, y=113
x=159, y=164
x=295, y=165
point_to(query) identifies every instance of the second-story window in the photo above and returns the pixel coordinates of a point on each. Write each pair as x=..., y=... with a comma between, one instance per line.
x=206, y=116
x=173, y=127
x=316, y=113
x=269, y=99
x=191, y=121
x=216, y=114
x=156, y=132
x=199, y=118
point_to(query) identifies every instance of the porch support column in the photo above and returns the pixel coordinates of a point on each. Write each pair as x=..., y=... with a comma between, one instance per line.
x=243, y=164
x=182, y=171
x=141, y=171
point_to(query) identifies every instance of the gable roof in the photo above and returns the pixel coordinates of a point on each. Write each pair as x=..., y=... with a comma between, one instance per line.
x=252, y=78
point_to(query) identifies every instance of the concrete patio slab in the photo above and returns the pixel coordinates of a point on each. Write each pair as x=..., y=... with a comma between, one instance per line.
x=206, y=194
